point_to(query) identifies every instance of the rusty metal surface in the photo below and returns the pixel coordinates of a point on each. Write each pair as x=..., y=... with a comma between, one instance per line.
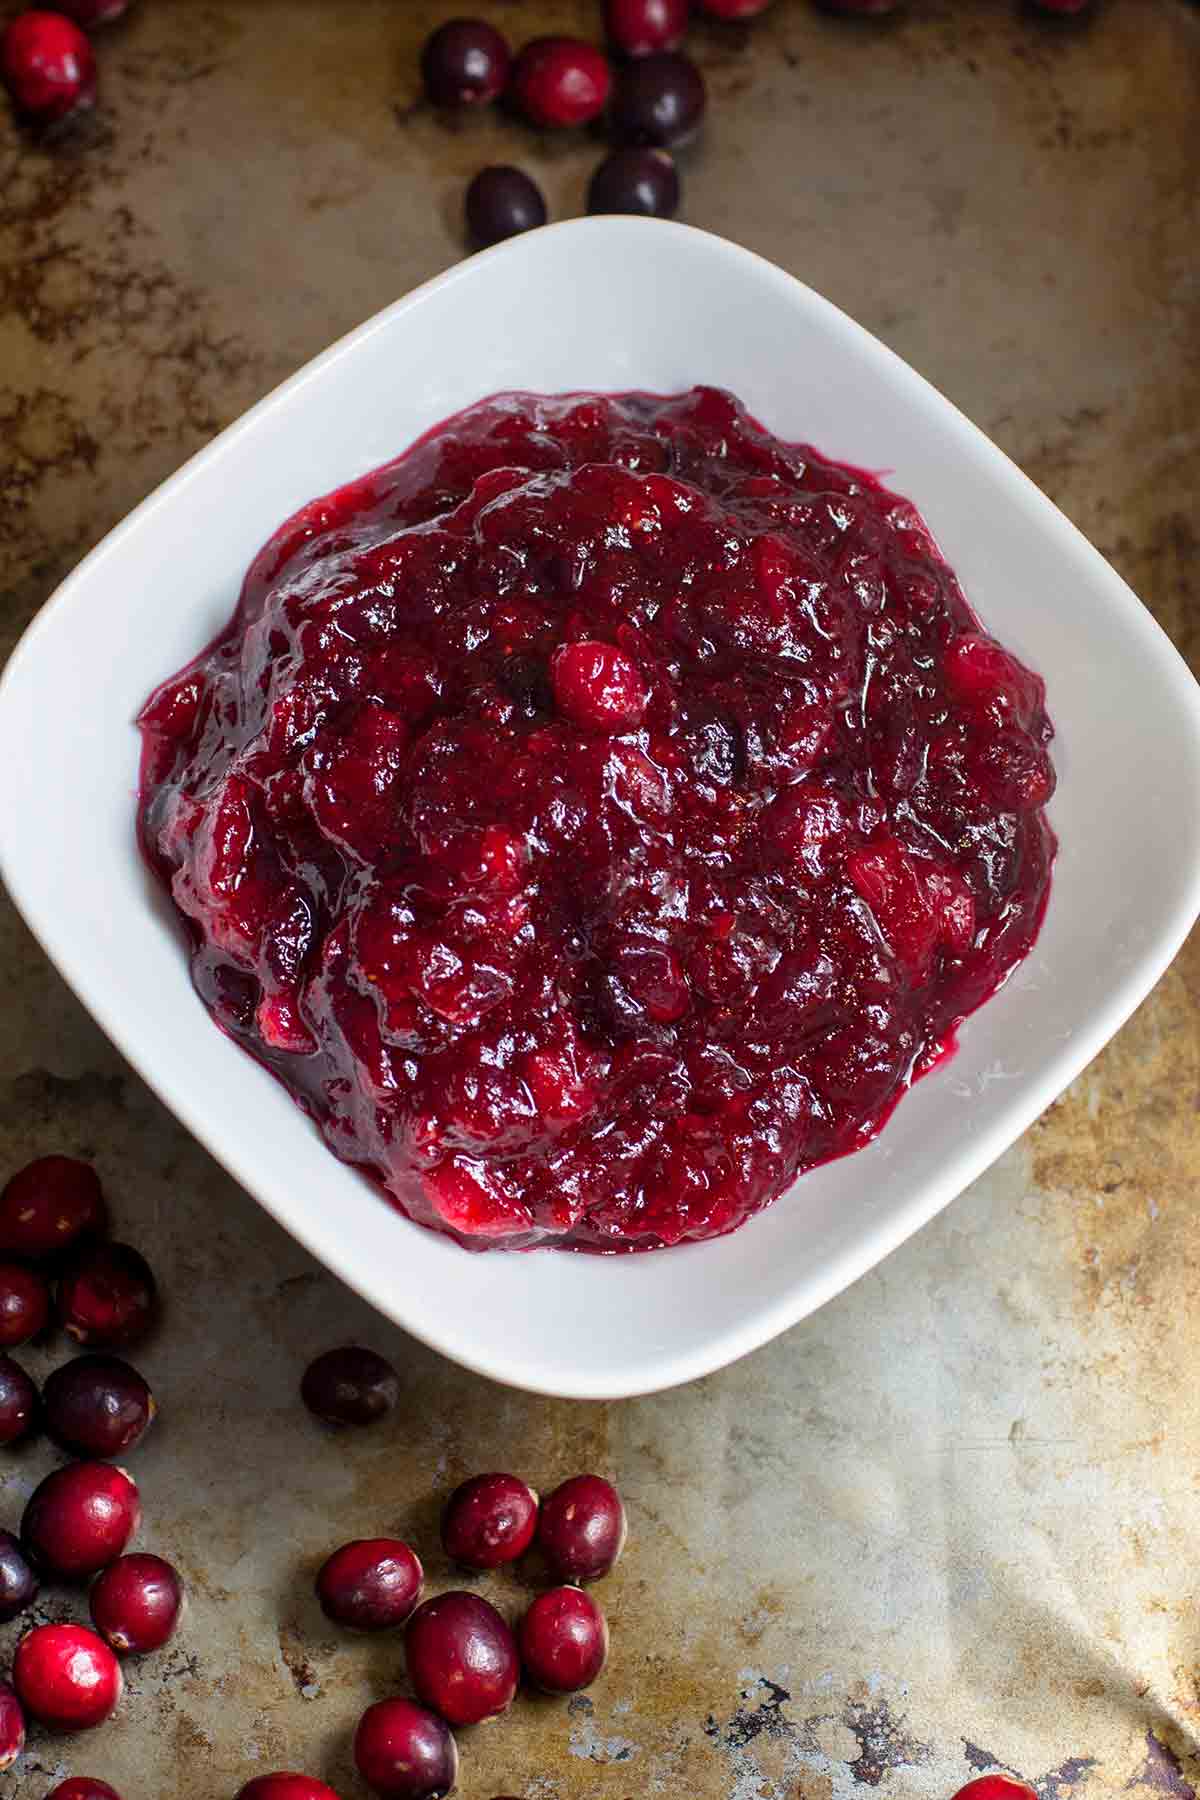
x=952, y=1521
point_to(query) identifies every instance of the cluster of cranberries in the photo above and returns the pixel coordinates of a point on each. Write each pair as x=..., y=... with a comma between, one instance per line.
x=78, y=1523
x=47, y=61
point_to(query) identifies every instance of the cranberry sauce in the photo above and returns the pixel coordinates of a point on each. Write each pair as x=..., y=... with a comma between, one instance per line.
x=600, y=815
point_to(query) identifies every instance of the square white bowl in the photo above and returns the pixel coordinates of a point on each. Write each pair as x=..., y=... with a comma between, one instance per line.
x=607, y=304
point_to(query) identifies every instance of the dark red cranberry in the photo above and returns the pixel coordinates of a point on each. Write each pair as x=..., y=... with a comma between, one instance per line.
x=372, y=1584
x=657, y=100
x=107, y=1297
x=67, y=1677
x=285, y=1786
x=489, y=1520
x=581, y=1529
x=19, y=1408
x=598, y=686
x=734, y=9
x=24, y=1304
x=80, y=1519
x=560, y=81
x=83, y=1787
x=996, y=1787
x=90, y=13
x=47, y=66
x=639, y=27
x=464, y=62
x=48, y=1204
x=404, y=1752
x=501, y=203
x=635, y=181
x=563, y=1640
x=18, y=1583
x=136, y=1603
x=350, y=1386
x=462, y=1658
x=12, y=1726
x=97, y=1406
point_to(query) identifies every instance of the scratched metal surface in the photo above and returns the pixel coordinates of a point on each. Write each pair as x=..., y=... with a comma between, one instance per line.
x=954, y=1520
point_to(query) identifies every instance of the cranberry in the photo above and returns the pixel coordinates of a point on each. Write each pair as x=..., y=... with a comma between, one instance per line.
x=563, y=1640
x=80, y=1519
x=659, y=100
x=12, y=1726
x=501, y=203
x=136, y=1603
x=24, y=1304
x=596, y=685
x=560, y=81
x=372, y=1584
x=581, y=1531
x=19, y=1408
x=462, y=1657
x=97, y=1406
x=350, y=1386
x=285, y=1786
x=83, y=1787
x=639, y=27
x=18, y=1583
x=404, y=1752
x=48, y=1204
x=464, y=62
x=90, y=13
x=47, y=66
x=996, y=1787
x=67, y=1677
x=107, y=1297
x=635, y=181
x=489, y=1520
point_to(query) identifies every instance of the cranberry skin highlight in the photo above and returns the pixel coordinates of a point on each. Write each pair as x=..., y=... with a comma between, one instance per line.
x=19, y=1405
x=350, y=1386
x=286, y=1786
x=18, y=1583
x=136, y=1604
x=372, y=1584
x=47, y=65
x=97, y=1406
x=67, y=1677
x=489, y=1520
x=108, y=1298
x=24, y=1304
x=80, y=1519
x=581, y=1531
x=48, y=1204
x=404, y=1752
x=12, y=1726
x=563, y=1640
x=462, y=1658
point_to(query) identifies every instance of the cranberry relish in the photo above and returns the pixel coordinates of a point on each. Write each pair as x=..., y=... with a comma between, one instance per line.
x=599, y=815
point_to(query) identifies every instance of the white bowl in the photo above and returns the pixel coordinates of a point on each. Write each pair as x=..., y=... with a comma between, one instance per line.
x=607, y=304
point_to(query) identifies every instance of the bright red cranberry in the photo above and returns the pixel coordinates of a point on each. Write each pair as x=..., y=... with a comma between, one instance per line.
x=658, y=100
x=635, y=181
x=996, y=1787
x=285, y=1786
x=501, y=203
x=107, y=1297
x=24, y=1304
x=599, y=686
x=97, y=1406
x=639, y=27
x=581, y=1530
x=90, y=13
x=12, y=1726
x=18, y=1583
x=560, y=81
x=80, y=1519
x=489, y=1520
x=563, y=1640
x=67, y=1677
x=83, y=1787
x=462, y=1658
x=466, y=61
x=48, y=1204
x=47, y=66
x=136, y=1603
x=372, y=1584
x=19, y=1409
x=350, y=1386
x=404, y=1752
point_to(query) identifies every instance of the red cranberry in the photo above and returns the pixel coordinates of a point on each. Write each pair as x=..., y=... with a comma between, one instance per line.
x=464, y=62
x=995, y=1787
x=97, y=1406
x=47, y=66
x=635, y=181
x=83, y=1787
x=67, y=1677
x=90, y=13
x=350, y=1386
x=48, y=1204
x=80, y=1519
x=501, y=203
x=372, y=1584
x=107, y=1297
x=598, y=686
x=489, y=1520
x=659, y=100
x=462, y=1657
x=285, y=1786
x=12, y=1726
x=560, y=81
x=18, y=1402
x=639, y=27
x=136, y=1603
x=404, y=1752
x=24, y=1304
x=581, y=1530
x=18, y=1583
x=563, y=1640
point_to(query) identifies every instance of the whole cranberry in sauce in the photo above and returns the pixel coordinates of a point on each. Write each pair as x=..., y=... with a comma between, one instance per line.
x=19, y=1409
x=639, y=27
x=18, y=1583
x=464, y=62
x=372, y=1584
x=563, y=1640
x=405, y=1752
x=107, y=1297
x=47, y=65
x=48, y=1204
x=502, y=202
x=489, y=1520
x=67, y=1677
x=136, y=1603
x=97, y=1406
x=581, y=1529
x=83, y=1787
x=350, y=1386
x=657, y=100
x=80, y=1519
x=285, y=1786
x=559, y=82
x=24, y=1304
x=462, y=1658
x=12, y=1726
